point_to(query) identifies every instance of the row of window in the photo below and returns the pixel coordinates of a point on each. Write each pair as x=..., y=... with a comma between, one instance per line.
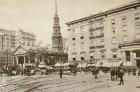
x=125, y=39
x=82, y=37
x=96, y=33
x=82, y=58
x=124, y=19
x=92, y=57
x=28, y=44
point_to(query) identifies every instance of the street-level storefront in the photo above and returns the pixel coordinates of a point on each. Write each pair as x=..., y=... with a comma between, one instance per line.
x=131, y=53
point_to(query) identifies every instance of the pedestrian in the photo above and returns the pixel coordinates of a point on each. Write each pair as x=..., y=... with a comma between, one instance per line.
x=116, y=73
x=61, y=72
x=112, y=73
x=134, y=71
x=139, y=72
x=121, y=74
x=1, y=71
x=129, y=71
x=95, y=72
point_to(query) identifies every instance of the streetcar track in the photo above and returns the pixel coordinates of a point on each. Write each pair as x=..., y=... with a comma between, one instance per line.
x=58, y=82
x=11, y=83
x=77, y=86
x=20, y=81
x=32, y=86
x=39, y=82
x=63, y=84
x=103, y=85
x=66, y=84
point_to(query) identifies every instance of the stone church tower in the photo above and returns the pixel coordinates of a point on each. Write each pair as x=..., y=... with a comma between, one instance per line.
x=57, y=44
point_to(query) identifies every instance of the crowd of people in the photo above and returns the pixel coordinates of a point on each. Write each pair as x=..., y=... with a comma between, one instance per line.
x=116, y=74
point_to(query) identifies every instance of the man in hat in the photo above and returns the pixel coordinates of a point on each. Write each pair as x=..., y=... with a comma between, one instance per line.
x=121, y=74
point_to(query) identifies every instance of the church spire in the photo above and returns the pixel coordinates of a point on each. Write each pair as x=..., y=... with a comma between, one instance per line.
x=56, y=26
x=56, y=8
x=56, y=38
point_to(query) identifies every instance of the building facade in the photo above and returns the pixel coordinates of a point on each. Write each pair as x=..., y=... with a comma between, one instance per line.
x=7, y=39
x=97, y=38
x=5, y=58
x=11, y=39
x=25, y=38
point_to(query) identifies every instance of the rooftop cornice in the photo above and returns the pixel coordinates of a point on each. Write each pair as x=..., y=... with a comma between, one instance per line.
x=105, y=13
x=130, y=44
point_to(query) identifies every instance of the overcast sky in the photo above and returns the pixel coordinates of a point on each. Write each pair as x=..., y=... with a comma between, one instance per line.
x=36, y=16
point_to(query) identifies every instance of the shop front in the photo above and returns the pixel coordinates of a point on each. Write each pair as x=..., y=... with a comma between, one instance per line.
x=131, y=53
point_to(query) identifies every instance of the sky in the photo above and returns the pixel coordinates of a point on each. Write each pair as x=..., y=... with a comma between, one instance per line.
x=36, y=16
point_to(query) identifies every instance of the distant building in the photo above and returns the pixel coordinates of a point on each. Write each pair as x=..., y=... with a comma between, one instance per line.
x=7, y=39
x=97, y=38
x=11, y=39
x=25, y=38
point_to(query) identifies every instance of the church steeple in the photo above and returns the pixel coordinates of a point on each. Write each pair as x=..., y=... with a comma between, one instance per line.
x=56, y=38
x=56, y=8
x=56, y=26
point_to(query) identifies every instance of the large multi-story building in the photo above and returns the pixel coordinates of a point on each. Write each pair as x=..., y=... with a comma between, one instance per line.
x=7, y=39
x=11, y=39
x=98, y=37
x=25, y=39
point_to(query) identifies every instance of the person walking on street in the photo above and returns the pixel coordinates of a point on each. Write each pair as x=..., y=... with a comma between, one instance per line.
x=134, y=71
x=61, y=72
x=116, y=73
x=95, y=72
x=139, y=72
x=121, y=74
x=112, y=73
x=129, y=71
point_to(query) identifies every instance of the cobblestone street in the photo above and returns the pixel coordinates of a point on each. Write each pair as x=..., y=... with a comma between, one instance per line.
x=69, y=83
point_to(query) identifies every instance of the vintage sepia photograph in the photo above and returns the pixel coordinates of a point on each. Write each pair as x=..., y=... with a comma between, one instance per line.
x=69, y=45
